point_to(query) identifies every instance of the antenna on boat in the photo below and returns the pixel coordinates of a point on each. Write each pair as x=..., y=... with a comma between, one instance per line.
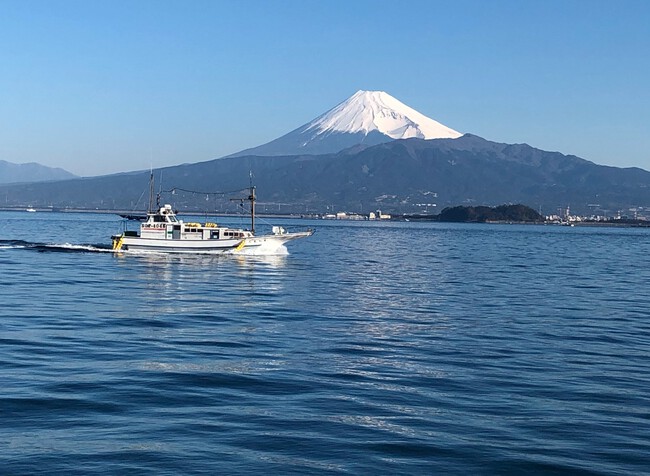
x=150, y=191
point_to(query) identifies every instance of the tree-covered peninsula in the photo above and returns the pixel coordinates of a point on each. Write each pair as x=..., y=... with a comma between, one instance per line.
x=483, y=214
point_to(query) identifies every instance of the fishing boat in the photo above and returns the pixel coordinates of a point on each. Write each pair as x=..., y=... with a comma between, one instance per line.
x=163, y=231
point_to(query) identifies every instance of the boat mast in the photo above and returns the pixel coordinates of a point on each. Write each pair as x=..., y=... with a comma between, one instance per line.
x=252, y=199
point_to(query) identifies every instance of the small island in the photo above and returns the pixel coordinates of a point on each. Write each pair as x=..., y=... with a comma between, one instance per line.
x=482, y=214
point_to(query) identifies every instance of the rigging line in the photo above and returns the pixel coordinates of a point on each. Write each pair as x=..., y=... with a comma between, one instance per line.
x=138, y=202
x=200, y=192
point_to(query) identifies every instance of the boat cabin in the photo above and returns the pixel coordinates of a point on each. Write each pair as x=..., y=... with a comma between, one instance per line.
x=163, y=225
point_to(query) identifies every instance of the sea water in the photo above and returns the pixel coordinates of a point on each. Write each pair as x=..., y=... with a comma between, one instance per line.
x=371, y=348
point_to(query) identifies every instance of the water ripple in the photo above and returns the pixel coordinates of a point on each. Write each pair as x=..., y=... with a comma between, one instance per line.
x=394, y=348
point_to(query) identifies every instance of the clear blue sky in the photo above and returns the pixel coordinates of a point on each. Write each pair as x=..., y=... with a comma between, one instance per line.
x=107, y=86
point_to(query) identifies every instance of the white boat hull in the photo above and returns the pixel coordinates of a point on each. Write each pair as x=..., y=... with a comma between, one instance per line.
x=266, y=243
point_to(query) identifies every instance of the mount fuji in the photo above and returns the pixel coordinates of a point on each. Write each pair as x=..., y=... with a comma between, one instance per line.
x=370, y=152
x=366, y=118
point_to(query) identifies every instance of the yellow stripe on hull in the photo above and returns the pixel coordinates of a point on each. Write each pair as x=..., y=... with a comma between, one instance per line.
x=117, y=243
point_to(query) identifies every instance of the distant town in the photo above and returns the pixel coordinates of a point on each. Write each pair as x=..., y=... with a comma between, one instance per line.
x=639, y=216
x=634, y=216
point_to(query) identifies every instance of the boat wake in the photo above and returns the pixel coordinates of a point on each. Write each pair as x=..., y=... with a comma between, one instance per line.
x=274, y=250
x=54, y=247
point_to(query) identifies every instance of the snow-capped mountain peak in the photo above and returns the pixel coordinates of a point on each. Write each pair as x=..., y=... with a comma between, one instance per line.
x=368, y=111
x=366, y=118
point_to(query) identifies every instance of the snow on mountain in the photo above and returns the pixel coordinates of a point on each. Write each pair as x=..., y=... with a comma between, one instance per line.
x=368, y=111
x=367, y=118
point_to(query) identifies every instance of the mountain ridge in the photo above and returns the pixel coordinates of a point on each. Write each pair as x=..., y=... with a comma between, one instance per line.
x=401, y=176
x=30, y=172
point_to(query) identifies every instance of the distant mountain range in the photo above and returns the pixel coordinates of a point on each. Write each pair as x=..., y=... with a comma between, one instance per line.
x=31, y=172
x=403, y=176
x=398, y=161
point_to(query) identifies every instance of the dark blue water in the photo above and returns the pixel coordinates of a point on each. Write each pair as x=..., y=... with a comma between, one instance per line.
x=372, y=348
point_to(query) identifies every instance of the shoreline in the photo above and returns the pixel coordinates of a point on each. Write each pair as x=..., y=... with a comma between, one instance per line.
x=613, y=223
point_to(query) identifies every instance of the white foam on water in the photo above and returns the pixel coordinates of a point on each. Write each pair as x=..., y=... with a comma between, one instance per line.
x=71, y=246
